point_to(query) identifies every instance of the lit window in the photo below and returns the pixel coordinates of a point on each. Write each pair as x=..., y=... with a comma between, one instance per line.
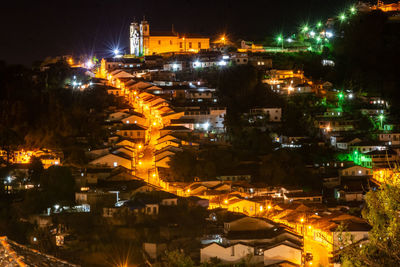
x=190, y=44
x=199, y=45
x=159, y=42
x=115, y=164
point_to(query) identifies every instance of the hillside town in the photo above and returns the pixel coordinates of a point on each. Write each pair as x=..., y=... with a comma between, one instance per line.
x=185, y=150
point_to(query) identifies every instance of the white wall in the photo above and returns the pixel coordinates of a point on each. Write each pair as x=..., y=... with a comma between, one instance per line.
x=232, y=254
x=282, y=252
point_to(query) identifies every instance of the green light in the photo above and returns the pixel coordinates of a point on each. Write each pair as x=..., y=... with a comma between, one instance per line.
x=279, y=38
x=341, y=95
x=342, y=17
x=353, y=10
x=305, y=28
x=319, y=24
x=381, y=117
x=318, y=39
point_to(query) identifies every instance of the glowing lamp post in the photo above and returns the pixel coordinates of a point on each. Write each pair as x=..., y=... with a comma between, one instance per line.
x=305, y=28
x=223, y=40
x=381, y=117
x=279, y=40
x=342, y=17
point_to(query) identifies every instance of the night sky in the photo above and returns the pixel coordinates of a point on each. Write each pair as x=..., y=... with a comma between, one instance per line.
x=32, y=30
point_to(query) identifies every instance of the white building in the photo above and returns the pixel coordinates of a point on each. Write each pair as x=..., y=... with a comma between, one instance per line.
x=274, y=114
x=207, y=120
x=253, y=254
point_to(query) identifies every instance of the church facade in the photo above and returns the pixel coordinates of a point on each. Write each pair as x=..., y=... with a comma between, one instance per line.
x=145, y=43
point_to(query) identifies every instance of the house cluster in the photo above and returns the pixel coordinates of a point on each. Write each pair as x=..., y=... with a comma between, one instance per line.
x=48, y=157
x=256, y=241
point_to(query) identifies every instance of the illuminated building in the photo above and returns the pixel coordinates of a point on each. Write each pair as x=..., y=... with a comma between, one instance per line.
x=47, y=157
x=144, y=43
x=387, y=7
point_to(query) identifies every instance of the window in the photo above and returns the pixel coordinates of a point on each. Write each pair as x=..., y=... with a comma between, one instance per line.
x=199, y=44
x=190, y=44
x=138, y=133
x=154, y=209
x=159, y=42
x=170, y=42
x=148, y=209
x=180, y=45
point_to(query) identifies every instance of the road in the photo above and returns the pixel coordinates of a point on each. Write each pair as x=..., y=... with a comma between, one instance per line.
x=319, y=252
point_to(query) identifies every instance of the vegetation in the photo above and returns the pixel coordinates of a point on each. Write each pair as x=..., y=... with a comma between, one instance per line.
x=383, y=246
x=38, y=111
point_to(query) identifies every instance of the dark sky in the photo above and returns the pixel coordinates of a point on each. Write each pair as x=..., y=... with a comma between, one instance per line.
x=32, y=30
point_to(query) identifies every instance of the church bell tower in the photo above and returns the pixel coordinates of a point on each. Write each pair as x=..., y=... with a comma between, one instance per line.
x=144, y=37
x=134, y=39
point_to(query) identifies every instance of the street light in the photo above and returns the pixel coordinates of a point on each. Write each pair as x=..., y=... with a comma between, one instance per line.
x=353, y=10
x=329, y=35
x=279, y=39
x=305, y=28
x=381, y=117
x=223, y=39
x=342, y=17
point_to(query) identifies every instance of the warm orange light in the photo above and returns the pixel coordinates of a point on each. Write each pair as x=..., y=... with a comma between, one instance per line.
x=309, y=227
x=261, y=208
x=154, y=123
x=140, y=163
x=140, y=146
x=223, y=38
x=269, y=207
x=302, y=220
x=188, y=190
x=226, y=201
x=154, y=175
